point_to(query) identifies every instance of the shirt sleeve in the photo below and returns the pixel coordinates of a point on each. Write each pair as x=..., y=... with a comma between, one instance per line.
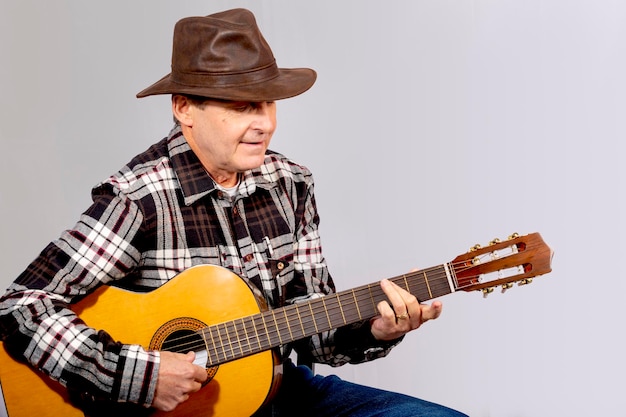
x=38, y=325
x=349, y=344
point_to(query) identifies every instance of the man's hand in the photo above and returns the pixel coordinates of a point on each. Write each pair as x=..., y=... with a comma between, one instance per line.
x=178, y=378
x=402, y=313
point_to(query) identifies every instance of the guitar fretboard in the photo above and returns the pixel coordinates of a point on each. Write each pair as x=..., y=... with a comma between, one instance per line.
x=245, y=336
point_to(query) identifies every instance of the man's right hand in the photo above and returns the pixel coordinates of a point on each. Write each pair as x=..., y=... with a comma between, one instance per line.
x=178, y=378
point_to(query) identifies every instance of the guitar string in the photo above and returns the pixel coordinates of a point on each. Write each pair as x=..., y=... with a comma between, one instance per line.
x=234, y=348
x=367, y=289
x=231, y=331
x=267, y=335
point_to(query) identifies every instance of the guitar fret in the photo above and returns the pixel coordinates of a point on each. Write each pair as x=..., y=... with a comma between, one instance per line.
x=368, y=309
x=430, y=293
x=265, y=333
x=288, y=326
x=280, y=339
x=371, y=296
x=247, y=337
x=227, y=336
x=213, y=357
x=309, y=326
x=220, y=344
x=272, y=334
x=206, y=343
x=330, y=324
x=406, y=283
x=339, y=315
x=233, y=337
x=313, y=316
x=211, y=349
x=356, y=304
x=349, y=308
x=430, y=283
x=343, y=316
x=297, y=309
x=335, y=311
x=238, y=338
x=258, y=337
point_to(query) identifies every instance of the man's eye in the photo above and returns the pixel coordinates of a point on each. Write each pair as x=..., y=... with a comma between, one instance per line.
x=245, y=107
x=242, y=107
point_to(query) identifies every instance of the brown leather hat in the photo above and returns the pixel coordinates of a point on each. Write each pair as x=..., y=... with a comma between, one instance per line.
x=225, y=56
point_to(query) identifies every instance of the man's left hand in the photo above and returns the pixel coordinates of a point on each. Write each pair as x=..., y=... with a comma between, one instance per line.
x=402, y=313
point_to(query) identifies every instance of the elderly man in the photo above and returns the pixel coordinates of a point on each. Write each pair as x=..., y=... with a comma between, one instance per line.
x=209, y=193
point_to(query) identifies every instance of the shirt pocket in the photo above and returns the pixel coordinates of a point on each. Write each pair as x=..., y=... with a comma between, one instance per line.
x=282, y=269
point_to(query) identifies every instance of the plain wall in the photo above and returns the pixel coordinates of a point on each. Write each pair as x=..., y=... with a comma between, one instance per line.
x=434, y=125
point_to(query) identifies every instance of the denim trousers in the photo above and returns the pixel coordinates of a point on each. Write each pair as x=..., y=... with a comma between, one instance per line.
x=304, y=394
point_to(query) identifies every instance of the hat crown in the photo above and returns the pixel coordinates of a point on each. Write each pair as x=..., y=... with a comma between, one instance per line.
x=224, y=43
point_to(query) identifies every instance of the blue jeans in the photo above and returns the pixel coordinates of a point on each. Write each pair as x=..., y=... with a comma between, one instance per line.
x=304, y=394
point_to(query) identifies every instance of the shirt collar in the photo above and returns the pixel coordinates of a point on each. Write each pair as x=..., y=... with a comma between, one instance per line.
x=195, y=182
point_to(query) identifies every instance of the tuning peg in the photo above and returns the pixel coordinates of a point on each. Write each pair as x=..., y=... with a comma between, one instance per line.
x=514, y=236
x=494, y=241
x=475, y=247
x=487, y=291
x=506, y=287
x=525, y=281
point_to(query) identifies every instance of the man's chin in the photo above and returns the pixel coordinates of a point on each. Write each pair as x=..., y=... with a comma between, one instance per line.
x=251, y=163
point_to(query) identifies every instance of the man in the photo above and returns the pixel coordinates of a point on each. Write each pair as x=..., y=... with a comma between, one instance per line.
x=209, y=193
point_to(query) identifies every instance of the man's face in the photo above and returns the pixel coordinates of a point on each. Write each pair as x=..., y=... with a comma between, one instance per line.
x=230, y=137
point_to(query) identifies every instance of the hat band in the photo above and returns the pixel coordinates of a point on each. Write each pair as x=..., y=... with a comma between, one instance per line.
x=205, y=79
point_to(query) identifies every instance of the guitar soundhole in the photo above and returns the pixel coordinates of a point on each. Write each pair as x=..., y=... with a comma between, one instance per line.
x=181, y=335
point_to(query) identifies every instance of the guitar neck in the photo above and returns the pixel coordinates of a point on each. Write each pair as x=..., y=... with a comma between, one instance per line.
x=259, y=332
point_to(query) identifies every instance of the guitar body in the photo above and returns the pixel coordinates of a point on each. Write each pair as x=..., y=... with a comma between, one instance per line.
x=208, y=294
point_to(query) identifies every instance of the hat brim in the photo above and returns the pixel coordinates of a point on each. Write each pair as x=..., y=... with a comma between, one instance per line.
x=289, y=83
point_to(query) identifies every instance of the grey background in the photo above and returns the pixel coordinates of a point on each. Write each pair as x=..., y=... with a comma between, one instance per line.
x=434, y=125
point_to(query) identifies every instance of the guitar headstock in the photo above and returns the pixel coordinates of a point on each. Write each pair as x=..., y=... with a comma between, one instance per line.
x=502, y=263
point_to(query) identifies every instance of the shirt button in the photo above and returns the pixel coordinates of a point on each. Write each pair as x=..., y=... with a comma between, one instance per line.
x=280, y=266
x=248, y=257
x=235, y=211
x=220, y=195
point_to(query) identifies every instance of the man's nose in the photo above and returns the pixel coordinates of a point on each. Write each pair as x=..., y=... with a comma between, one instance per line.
x=265, y=117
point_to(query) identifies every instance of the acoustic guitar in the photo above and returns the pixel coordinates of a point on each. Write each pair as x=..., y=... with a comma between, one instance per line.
x=212, y=311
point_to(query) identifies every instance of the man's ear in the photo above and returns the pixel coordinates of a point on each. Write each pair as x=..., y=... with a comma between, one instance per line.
x=181, y=109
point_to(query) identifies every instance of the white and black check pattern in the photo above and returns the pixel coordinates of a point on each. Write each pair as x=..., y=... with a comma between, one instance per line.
x=158, y=216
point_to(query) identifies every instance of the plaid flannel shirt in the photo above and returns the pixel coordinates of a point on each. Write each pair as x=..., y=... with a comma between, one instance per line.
x=158, y=216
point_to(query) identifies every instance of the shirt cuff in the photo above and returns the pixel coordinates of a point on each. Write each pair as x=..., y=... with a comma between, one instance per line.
x=138, y=370
x=358, y=342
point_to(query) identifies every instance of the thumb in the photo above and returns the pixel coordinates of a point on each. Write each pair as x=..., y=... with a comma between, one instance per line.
x=190, y=356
